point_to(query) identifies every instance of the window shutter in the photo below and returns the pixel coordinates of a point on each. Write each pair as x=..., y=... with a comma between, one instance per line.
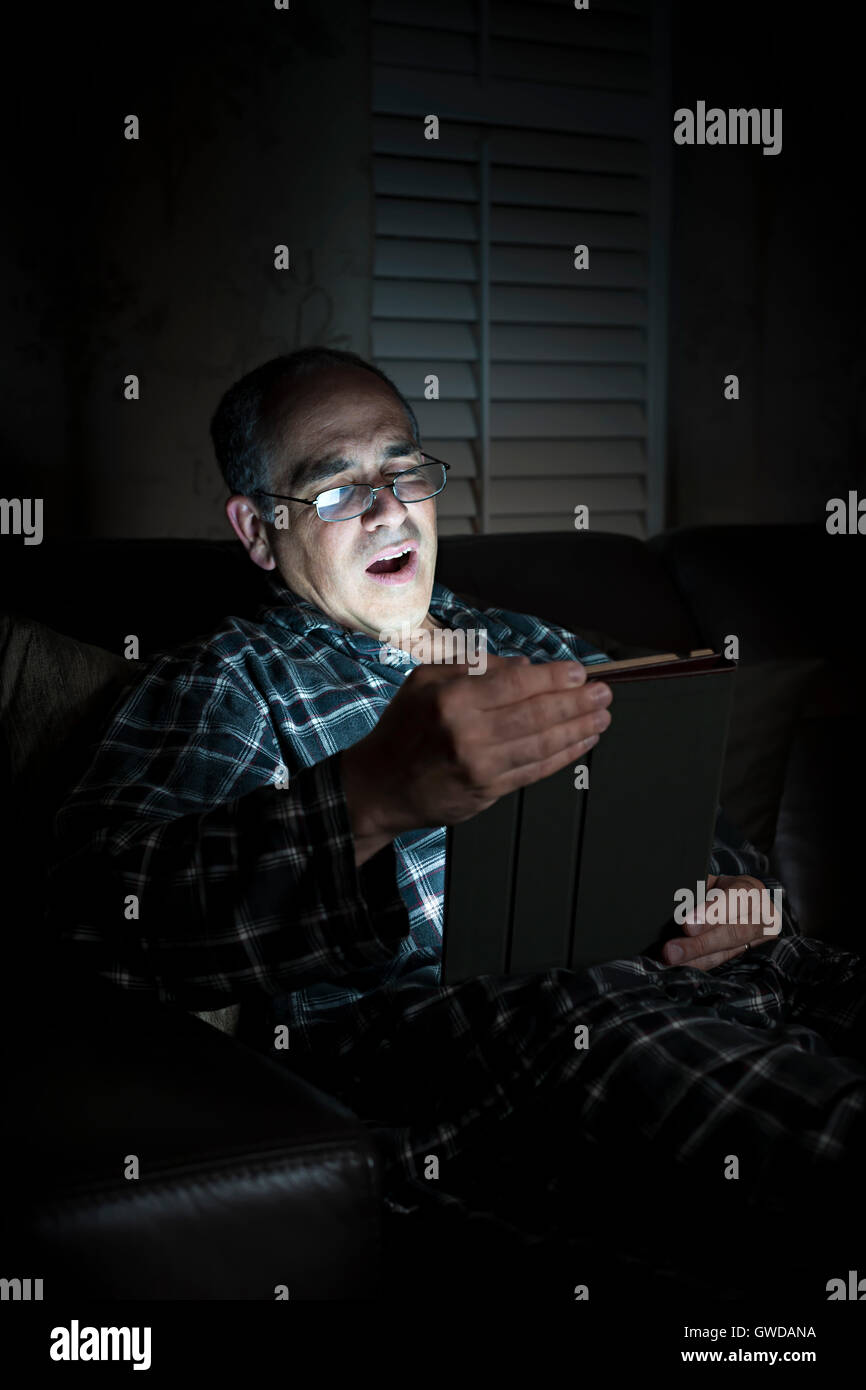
x=551, y=380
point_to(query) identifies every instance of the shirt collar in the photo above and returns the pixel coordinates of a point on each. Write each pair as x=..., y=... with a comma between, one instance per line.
x=300, y=616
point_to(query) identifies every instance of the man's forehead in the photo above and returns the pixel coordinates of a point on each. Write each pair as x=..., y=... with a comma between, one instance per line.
x=348, y=436
x=341, y=419
x=331, y=409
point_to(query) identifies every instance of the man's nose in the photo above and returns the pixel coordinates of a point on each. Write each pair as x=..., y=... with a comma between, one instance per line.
x=386, y=510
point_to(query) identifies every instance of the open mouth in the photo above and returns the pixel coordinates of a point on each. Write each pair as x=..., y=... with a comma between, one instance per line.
x=396, y=565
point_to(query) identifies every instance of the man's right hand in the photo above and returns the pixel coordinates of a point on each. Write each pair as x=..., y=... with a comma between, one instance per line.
x=450, y=743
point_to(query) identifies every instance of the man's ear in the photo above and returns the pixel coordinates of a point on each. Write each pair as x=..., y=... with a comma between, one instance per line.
x=250, y=530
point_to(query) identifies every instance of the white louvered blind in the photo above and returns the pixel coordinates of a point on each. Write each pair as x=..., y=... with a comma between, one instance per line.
x=551, y=380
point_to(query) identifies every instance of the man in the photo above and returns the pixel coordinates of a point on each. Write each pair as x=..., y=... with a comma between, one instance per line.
x=274, y=800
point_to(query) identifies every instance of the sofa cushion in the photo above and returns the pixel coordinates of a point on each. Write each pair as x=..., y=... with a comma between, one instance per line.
x=596, y=580
x=54, y=692
x=769, y=700
x=165, y=591
x=50, y=687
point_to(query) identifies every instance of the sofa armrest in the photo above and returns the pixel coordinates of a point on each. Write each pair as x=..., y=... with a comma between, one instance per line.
x=159, y=1158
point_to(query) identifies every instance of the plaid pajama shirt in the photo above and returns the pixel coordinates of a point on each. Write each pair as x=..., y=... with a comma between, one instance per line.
x=215, y=798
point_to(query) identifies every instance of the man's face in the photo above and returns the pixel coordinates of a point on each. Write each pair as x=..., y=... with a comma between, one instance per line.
x=343, y=425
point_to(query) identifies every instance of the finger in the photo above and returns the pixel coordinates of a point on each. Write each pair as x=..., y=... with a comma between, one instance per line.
x=506, y=685
x=540, y=712
x=747, y=895
x=702, y=941
x=722, y=906
x=534, y=772
x=539, y=748
x=718, y=958
x=743, y=930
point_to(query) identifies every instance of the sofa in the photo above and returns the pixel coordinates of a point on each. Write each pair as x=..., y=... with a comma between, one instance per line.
x=238, y=1179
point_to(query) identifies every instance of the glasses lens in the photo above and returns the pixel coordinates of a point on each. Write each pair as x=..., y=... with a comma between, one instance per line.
x=421, y=482
x=342, y=503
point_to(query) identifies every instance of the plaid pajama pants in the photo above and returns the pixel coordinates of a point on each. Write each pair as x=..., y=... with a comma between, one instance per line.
x=762, y=1061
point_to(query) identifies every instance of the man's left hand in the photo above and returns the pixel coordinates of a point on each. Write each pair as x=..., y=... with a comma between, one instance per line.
x=726, y=924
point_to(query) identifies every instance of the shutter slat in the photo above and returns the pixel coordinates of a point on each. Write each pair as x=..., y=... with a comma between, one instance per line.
x=527, y=497
x=562, y=24
x=626, y=30
x=445, y=419
x=515, y=185
x=422, y=178
x=572, y=152
x=429, y=299
x=458, y=499
x=531, y=105
x=457, y=452
x=444, y=260
x=540, y=62
x=400, y=135
x=404, y=217
x=555, y=343
x=406, y=47
x=418, y=341
x=521, y=420
x=512, y=304
x=547, y=227
x=620, y=8
x=546, y=382
x=551, y=188
x=578, y=458
x=448, y=51
x=456, y=379
x=607, y=269
x=427, y=260
x=622, y=523
x=446, y=14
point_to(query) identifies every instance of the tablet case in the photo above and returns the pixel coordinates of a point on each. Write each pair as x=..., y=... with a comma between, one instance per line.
x=552, y=875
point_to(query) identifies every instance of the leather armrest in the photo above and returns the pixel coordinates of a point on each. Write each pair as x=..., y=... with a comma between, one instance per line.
x=248, y=1177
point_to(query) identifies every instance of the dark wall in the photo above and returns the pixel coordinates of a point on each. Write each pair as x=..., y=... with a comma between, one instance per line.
x=768, y=274
x=156, y=257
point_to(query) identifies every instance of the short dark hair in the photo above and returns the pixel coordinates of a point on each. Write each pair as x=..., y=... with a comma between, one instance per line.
x=243, y=435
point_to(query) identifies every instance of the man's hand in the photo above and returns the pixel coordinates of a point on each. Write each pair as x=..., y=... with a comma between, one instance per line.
x=733, y=916
x=450, y=743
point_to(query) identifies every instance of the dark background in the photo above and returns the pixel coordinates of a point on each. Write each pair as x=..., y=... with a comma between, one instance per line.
x=157, y=257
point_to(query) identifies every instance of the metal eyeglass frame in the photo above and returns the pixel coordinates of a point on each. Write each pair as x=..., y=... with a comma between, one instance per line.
x=313, y=501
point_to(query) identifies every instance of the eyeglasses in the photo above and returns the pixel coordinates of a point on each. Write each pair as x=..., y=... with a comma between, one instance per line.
x=416, y=484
